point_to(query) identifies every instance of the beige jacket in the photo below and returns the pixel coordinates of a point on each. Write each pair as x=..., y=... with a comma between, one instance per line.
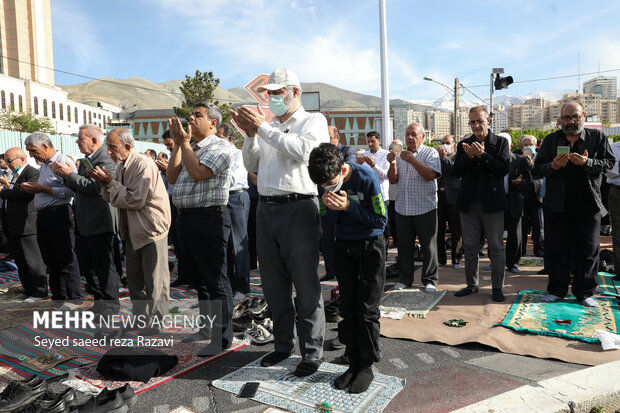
x=141, y=199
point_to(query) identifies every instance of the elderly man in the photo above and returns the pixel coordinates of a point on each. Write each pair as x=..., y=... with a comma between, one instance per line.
x=347, y=151
x=95, y=220
x=482, y=162
x=288, y=221
x=239, y=209
x=573, y=160
x=21, y=219
x=201, y=174
x=532, y=197
x=55, y=221
x=447, y=192
x=416, y=171
x=138, y=193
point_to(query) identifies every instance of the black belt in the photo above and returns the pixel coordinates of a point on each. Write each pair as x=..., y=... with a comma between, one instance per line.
x=202, y=210
x=52, y=208
x=283, y=199
x=236, y=191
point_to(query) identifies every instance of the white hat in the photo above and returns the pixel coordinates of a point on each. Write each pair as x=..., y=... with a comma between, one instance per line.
x=279, y=79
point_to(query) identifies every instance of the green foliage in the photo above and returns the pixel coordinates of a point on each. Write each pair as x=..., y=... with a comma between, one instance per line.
x=615, y=138
x=537, y=133
x=25, y=122
x=597, y=409
x=200, y=87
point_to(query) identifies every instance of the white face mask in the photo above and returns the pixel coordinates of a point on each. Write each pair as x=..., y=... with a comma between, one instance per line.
x=335, y=187
x=447, y=148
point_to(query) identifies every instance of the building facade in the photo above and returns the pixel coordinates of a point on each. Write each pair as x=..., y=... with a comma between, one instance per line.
x=525, y=117
x=604, y=86
x=591, y=103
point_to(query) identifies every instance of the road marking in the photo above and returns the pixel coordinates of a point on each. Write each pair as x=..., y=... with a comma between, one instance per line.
x=451, y=352
x=425, y=358
x=398, y=363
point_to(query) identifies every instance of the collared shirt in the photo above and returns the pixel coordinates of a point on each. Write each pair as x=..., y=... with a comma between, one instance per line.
x=61, y=195
x=600, y=160
x=414, y=194
x=613, y=176
x=239, y=177
x=381, y=167
x=214, y=153
x=281, y=154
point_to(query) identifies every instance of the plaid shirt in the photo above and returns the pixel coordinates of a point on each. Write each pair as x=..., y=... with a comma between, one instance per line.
x=216, y=154
x=600, y=160
x=414, y=194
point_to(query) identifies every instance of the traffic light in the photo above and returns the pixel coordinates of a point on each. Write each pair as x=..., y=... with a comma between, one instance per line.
x=502, y=82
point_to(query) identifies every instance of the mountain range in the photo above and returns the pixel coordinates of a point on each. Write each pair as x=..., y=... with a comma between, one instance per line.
x=139, y=93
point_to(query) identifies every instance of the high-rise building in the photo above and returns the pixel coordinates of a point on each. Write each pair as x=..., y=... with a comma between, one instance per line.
x=536, y=102
x=26, y=50
x=403, y=117
x=551, y=113
x=591, y=103
x=500, y=118
x=609, y=110
x=525, y=117
x=438, y=123
x=605, y=87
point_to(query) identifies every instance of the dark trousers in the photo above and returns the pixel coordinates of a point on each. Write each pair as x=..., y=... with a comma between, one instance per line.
x=512, y=226
x=328, y=243
x=447, y=214
x=56, y=241
x=238, y=252
x=30, y=266
x=203, y=238
x=425, y=228
x=98, y=262
x=361, y=277
x=4, y=239
x=252, y=233
x=572, y=239
x=531, y=221
x=173, y=236
x=391, y=208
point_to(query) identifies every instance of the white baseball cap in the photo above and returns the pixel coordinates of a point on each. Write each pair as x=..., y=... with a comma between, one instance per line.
x=279, y=79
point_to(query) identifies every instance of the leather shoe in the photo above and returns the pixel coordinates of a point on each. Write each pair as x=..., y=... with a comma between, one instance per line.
x=466, y=291
x=543, y=271
x=498, y=295
x=17, y=394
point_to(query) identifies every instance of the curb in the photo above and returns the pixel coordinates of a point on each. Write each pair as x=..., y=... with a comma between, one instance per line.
x=574, y=392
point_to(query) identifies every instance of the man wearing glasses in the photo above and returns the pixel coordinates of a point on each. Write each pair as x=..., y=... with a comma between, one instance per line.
x=481, y=162
x=573, y=160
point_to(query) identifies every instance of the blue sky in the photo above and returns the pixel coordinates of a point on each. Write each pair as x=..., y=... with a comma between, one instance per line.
x=337, y=41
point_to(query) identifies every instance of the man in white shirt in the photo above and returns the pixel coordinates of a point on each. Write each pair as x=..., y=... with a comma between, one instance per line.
x=288, y=220
x=239, y=208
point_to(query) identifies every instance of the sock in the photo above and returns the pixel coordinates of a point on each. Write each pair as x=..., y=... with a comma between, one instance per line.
x=307, y=367
x=549, y=298
x=589, y=302
x=362, y=380
x=343, y=381
x=274, y=358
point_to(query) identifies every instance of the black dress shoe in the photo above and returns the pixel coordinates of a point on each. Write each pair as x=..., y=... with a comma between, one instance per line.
x=466, y=291
x=498, y=295
x=543, y=271
x=179, y=282
x=336, y=344
x=16, y=394
x=105, y=402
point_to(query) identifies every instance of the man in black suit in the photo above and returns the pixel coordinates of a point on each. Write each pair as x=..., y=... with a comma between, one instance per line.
x=481, y=163
x=21, y=220
x=95, y=220
x=514, y=183
x=532, y=198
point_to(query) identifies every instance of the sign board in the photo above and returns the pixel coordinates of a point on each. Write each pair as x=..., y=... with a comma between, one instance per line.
x=252, y=89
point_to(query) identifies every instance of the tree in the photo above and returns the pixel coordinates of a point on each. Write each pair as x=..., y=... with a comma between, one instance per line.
x=25, y=122
x=200, y=87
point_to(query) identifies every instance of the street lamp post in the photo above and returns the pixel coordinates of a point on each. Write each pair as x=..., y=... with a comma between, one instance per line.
x=457, y=124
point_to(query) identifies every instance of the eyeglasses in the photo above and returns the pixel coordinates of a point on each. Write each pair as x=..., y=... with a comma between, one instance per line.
x=574, y=118
x=476, y=122
x=8, y=161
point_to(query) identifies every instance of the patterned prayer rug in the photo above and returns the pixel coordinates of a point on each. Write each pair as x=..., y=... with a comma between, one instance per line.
x=566, y=318
x=607, y=284
x=281, y=388
x=413, y=302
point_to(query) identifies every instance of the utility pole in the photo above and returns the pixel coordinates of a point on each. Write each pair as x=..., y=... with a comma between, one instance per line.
x=385, y=91
x=457, y=123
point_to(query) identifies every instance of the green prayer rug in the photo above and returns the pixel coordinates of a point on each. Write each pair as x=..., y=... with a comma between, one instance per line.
x=607, y=284
x=566, y=318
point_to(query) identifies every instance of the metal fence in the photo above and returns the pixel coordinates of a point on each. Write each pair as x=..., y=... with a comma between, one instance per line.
x=65, y=144
x=612, y=131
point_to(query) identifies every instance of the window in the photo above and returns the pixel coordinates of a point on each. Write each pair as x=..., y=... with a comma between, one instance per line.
x=45, y=107
x=90, y=117
x=4, y=100
x=76, y=116
x=12, y=101
x=68, y=113
x=36, y=105
x=20, y=103
x=53, y=110
x=60, y=112
x=84, y=117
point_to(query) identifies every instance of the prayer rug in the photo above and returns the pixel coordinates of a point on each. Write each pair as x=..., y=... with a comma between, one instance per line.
x=566, y=318
x=281, y=388
x=413, y=302
x=607, y=284
x=188, y=360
